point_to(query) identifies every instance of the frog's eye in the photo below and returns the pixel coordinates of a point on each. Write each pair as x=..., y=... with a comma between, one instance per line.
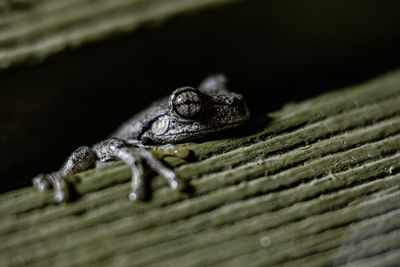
x=186, y=102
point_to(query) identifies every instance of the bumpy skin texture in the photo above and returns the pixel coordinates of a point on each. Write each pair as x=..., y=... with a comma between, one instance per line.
x=220, y=109
x=187, y=114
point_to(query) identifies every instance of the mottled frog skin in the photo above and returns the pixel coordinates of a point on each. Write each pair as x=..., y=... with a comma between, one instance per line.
x=187, y=114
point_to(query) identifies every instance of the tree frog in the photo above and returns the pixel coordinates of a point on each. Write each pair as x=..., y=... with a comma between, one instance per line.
x=187, y=114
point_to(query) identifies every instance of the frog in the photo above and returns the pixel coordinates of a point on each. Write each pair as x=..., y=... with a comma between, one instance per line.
x=188, y=114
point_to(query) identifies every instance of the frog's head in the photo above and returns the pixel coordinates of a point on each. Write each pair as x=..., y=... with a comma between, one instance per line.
x=192, y=113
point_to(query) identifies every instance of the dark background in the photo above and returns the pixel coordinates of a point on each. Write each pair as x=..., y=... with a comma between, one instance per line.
x=273, y=52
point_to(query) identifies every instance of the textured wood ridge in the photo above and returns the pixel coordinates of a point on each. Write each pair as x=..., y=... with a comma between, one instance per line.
x=319, y=185
x=31, y=30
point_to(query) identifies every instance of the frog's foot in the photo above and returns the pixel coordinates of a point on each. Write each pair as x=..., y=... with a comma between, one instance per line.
x=81, y=159
x=137, y=158
x=53, y=180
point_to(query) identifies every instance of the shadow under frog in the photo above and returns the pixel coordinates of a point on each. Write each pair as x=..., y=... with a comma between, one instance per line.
x=187, y=114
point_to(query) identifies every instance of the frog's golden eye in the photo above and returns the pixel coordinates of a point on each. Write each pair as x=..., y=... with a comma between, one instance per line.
x=186, y=102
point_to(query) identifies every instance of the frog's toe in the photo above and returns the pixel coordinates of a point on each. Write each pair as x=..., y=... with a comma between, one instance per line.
x=56, y=181
x=138, y=194
x=62, y=195
x=41, y=183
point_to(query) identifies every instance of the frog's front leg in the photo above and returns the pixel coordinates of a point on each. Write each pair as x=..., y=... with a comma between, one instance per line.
x=85, y=158
x=136, y=157
x=81, y=159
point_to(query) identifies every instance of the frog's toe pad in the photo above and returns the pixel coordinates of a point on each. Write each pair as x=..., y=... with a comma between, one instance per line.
x=41, y=183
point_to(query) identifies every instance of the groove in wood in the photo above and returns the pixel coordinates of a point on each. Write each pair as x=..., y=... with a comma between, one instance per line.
x=308, y=188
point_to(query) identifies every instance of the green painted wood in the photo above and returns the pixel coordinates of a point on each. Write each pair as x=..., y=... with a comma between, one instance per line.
x=32, y=30
x=318, y=184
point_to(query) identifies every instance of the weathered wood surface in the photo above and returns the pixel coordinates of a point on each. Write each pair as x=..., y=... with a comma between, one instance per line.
x=31, y=30
x=319, y=185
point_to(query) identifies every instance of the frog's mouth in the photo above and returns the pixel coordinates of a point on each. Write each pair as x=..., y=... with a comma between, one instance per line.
x=182, y=130
x=190, y=135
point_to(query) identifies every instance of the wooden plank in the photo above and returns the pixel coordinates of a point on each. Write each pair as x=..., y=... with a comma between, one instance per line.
x=310, y=187
x=33, y=30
